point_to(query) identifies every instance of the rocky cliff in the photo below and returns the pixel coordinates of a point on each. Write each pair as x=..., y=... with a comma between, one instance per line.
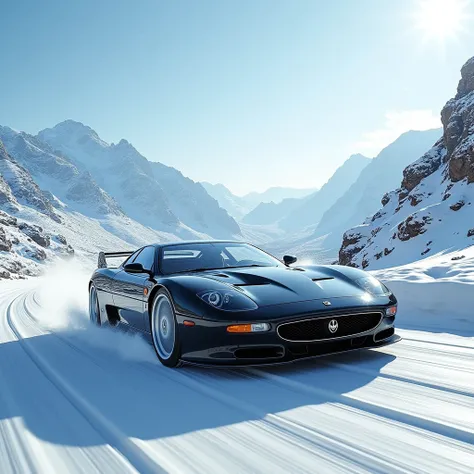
x=433, y=208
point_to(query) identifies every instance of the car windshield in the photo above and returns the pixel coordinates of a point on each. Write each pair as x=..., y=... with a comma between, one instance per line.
x=180, y=258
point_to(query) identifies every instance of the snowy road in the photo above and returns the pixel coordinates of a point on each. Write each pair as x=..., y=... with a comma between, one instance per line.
x=74, y=398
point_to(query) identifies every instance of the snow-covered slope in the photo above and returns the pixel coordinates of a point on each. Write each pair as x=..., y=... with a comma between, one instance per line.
x=312, y=209
x=190, y=201
x=383, y=172
x=22, y=186
x=59, y=178
x=31, y=241
x=433, y=210
x=69, y=215
x=427, y=288
x=24, y=245
x=153, y=194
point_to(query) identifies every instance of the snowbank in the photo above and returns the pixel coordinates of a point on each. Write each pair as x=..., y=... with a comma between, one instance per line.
x=435, y=294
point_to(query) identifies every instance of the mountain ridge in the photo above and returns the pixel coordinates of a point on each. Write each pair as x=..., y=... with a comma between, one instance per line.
x=137, y=184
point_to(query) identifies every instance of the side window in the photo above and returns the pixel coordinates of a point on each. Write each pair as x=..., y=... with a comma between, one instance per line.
x=146, y=257
x=131, y=258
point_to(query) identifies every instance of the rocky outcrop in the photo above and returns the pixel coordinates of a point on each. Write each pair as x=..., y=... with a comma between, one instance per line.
x=5, y=243
x=432, y=209
x=352, y=244
x=24, y=247
x=23, y=187
x=35, y=232
x=6, y=196
x=412, y=227
x=426, y=165
x=458, y=120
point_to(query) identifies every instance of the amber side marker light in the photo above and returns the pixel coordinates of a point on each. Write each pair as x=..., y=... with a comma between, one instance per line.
x=246, y=328
x=188, y=323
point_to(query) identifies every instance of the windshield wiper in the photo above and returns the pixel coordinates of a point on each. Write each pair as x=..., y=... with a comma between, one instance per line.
x=197, y=270
x=253, y=265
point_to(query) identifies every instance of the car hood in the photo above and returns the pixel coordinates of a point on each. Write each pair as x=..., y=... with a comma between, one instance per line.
x=279, y=285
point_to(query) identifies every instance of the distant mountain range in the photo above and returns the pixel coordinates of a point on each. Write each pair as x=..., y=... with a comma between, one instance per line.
x=277, y=194
x=240, y=206
x=234, y=205
x=310, y=211
x=315, y=229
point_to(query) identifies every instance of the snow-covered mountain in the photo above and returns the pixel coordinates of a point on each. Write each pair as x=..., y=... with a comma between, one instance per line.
x=240, y=206
x=23, y=244
x=236, y=206
x=36, y=228
x=276, y=194
x=153, y=194
x=270, y=213
x=53, y=202
x=60, y=179
x=311, y=209
x=432, y=211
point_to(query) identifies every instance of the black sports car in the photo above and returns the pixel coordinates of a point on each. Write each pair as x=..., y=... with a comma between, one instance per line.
x=230, y=303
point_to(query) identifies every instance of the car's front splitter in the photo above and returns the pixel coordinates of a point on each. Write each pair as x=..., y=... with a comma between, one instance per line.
x=314, y=350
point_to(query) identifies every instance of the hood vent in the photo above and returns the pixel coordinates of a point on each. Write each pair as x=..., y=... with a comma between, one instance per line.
x=322, y=279
x=253, y=284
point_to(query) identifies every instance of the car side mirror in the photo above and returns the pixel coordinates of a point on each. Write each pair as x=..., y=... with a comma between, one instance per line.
x=289, y=259
x=135, y=268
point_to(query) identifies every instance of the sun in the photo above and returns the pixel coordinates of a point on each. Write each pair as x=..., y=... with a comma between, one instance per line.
x=441, y=19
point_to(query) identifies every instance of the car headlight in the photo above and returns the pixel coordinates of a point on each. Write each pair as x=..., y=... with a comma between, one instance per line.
x=373, y=286
x=228, y=300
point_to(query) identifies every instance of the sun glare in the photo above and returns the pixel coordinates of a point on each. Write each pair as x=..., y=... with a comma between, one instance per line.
x=441, y=19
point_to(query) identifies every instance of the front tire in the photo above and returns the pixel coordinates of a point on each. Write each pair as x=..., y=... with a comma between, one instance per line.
x=94, y=308
x=164, y=330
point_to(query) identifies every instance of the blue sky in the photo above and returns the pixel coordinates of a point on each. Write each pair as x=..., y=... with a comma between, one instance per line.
x=250, y=93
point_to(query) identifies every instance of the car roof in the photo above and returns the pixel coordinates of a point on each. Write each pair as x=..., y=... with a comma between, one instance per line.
x=191, y=242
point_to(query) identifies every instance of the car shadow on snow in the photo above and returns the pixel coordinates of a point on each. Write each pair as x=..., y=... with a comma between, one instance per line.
x=123, y=382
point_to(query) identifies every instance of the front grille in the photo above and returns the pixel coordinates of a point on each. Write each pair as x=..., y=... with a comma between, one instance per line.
x=317, y=329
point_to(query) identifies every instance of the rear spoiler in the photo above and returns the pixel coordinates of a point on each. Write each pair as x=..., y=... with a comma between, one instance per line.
x=102, y=260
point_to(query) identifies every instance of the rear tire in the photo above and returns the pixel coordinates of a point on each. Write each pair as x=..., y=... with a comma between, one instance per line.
x=164, y=330
x=94, y=308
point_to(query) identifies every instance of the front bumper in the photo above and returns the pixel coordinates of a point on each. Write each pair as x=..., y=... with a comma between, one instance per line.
x=208, y=343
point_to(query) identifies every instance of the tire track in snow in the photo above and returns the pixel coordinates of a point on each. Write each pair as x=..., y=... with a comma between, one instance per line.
x=104, y=427
x=298, y=436
x=384, y=411
x=432, y=357
x=347, y=411
x=331, y=446
x=437, y=343
x=389, y=376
